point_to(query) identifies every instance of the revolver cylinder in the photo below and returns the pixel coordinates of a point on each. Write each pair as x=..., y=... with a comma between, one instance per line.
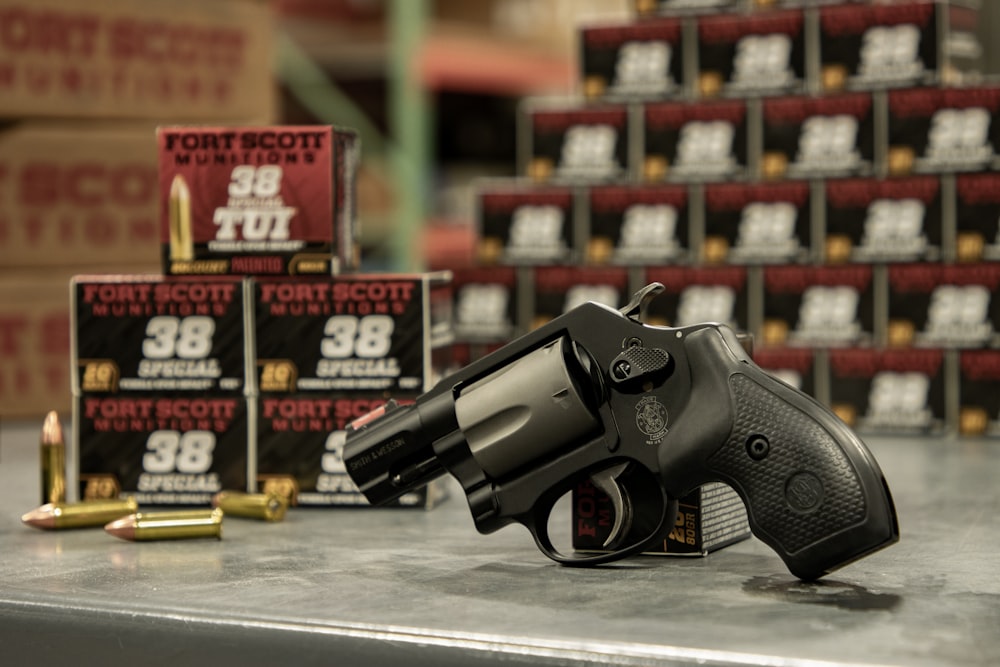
x=532, y=407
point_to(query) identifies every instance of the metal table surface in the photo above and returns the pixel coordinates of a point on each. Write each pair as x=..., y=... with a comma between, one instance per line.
x=389, y=587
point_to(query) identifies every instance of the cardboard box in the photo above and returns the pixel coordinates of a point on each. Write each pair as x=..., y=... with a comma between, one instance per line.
x=810, y=137
x=78, y=194
x=486, y=307
x=944, y=305
x=685, y=142
x=163, y=449
x=979, y=411
x=649, y=8
x=760, y=223
x=368, y=333
x=34, y=344
x=135, y=59
x=884, y=220
x=559, y=289
x=977, y=218
x=922, y=42
x=794, y=365
x=300, y=449
x=708, y=519
x=154, y=334
x=568, y=143
x=818, y=306
x=699, y=294
x=522, y=223
x=632, y=61
x=638, y=224
x=933, y=130
x=756, y=54
x=257, y=200
x=889, y=392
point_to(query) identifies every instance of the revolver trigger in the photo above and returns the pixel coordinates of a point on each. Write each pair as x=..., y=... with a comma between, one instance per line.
x=635, y=309
x=606, y=481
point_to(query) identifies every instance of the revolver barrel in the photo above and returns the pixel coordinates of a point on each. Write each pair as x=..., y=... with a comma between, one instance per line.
x=390, y=452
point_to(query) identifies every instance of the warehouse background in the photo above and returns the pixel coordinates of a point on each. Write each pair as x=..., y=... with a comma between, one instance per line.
x=434, y=88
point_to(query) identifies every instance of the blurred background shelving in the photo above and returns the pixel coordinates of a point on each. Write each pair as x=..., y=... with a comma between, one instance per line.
x=434, y=86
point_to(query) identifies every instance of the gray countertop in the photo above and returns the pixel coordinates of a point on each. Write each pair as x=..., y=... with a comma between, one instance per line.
x=365, y=586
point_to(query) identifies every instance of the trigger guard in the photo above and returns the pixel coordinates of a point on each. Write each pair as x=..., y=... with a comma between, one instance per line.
x=544, y=543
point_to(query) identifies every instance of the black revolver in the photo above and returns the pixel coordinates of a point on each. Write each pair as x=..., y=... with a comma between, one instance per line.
x=649, y=414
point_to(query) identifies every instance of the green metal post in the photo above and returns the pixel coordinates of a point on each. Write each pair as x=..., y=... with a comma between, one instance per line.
x=409, y=120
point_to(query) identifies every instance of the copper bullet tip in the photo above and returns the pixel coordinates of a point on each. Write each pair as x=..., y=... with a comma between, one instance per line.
x=52, y=433
x=123, y=528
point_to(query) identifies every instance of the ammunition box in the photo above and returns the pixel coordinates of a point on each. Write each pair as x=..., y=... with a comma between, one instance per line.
x=649, y=8
x=979, y=411
x=708, y=519
x=883, y=220
x=699, y=294
x=889, y=392
x=810, y=137
x=568, y=143
x=751, y=54
x=153, y=333
x=977, y=218
x=359, y=333
x=638, y=225
x=760, y=223
x=521, y=223
x=300, y=440
x=897, y=44
x=795, y=366
x=943, y=129
x=486, y=307
x=258, y=200
x=691, y=142
x=558, y=289
x=164, y=449
x=818, y=306
x=945, y=305
x=631, y=61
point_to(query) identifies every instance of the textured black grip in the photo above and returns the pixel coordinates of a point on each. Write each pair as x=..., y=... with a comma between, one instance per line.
x=800, y=483
x=813, y=491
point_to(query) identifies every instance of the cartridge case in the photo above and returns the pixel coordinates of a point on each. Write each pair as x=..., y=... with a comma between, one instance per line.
x=265, y=506
x=80, y=515
x=174, y=525
x=53, y=460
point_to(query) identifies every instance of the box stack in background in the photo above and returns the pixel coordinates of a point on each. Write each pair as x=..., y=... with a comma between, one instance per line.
x=240, y=367
x=820, y=174
x=82, y=88
x=815, y=173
